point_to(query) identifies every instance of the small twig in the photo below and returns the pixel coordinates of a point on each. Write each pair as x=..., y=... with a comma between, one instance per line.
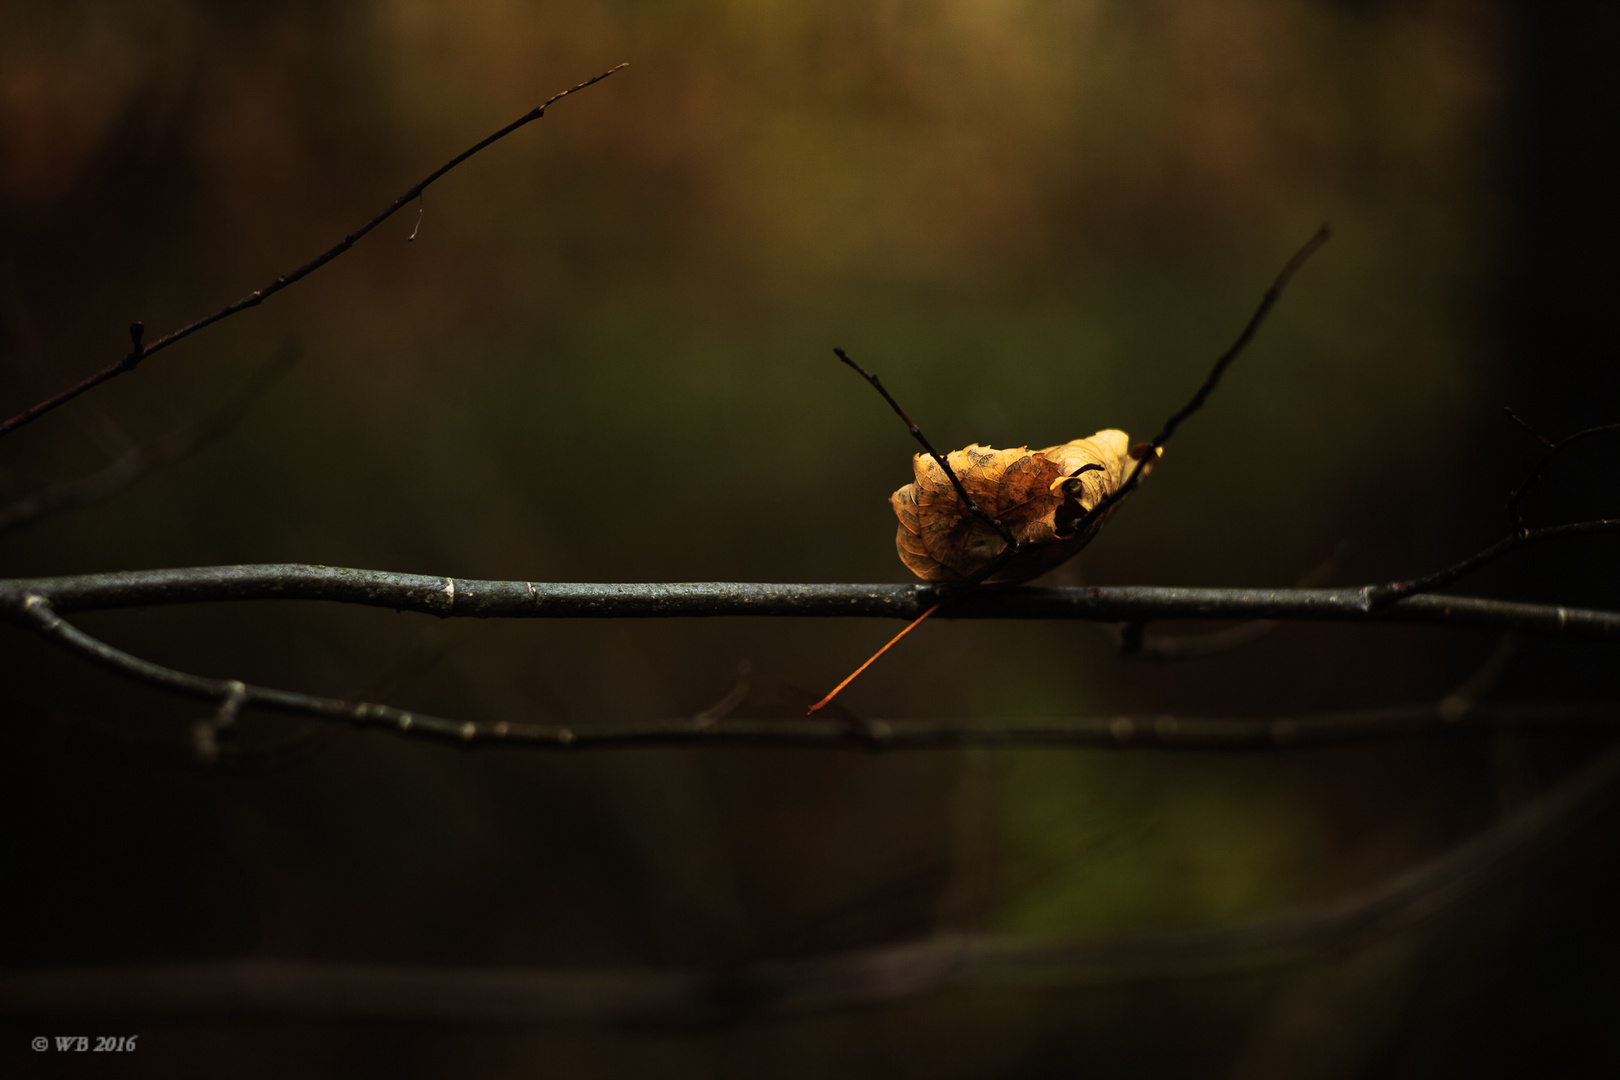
x=138, y=352
x=1150, y=452
x=974, y=508
x=136, y=462
x=1521, y=534
x=1517, y=419
x=1378, y=595
x=1267, y=301
x=1515, y=519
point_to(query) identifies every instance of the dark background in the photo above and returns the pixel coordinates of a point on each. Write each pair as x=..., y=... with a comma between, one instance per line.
x=606, y=357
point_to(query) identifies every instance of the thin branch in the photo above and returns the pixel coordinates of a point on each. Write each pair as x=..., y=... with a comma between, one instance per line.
x=1150, y=452
x=1520, y=535
x=707, y=729
x=136, y=462
x=1267, y=301
x=1553, y=450
x=1011, y=542
x=1507, y=410
x=466, y=597
x=847, y=980
x=139, y=352
x=1379, y=595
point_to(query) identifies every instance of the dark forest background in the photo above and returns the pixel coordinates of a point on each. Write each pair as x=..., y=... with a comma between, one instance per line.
x=607, y=357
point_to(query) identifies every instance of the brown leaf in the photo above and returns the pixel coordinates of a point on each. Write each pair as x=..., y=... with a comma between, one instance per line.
x=1037, y=494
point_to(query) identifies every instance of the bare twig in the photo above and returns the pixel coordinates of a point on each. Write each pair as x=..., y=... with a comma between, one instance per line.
x=1521, y=534
x=643, y=995
x=1378, y=595
x=1150, y=452
x=974, y=508
x=1553, y=450
x=139, y=352
x=136, y=462
x=1267, y=301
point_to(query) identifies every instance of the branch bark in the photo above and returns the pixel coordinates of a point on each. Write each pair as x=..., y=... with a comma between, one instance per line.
x=450, y=597
x=36, y=612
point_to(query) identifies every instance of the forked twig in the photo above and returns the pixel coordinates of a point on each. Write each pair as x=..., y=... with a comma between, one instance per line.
x=1011, y=546
x=1553, y=450
x=139, y=352
x=1521, y=534
x=1379, y=595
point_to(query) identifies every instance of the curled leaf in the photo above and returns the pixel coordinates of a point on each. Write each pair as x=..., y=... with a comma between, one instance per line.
x=1038, y=495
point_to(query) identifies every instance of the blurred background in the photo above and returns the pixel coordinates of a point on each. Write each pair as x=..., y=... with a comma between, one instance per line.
x=606, y=357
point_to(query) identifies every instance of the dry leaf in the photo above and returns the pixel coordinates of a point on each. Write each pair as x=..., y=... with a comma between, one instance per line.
x=1038, y=495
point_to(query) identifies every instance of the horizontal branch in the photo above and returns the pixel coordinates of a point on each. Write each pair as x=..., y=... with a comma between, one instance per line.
x=1453, y=715
x=466, y=597
x=852, y=979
